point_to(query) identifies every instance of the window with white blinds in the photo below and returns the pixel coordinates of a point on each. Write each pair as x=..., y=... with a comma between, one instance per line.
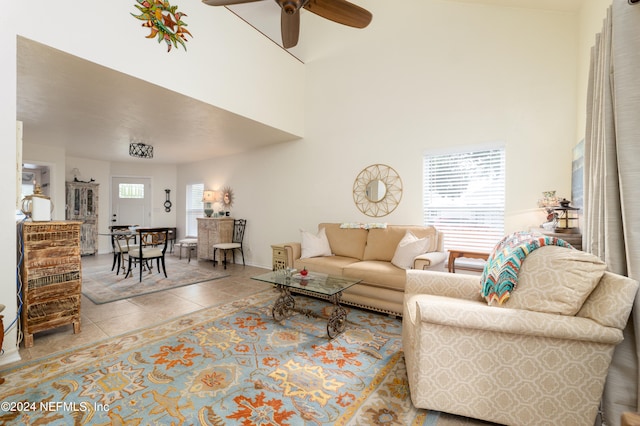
x=194, y=207
x=464, y=195
x=131, y=190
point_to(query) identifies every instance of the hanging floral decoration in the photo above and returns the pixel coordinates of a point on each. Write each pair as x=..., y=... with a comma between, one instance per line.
x=164, y=21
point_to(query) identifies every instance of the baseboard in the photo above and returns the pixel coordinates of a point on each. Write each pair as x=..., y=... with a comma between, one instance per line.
x=10, y=356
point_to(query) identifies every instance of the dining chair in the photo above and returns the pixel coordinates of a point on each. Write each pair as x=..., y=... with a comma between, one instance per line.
x=124, y=242
x=152, y=244
x=239, y=226
x=118, y=249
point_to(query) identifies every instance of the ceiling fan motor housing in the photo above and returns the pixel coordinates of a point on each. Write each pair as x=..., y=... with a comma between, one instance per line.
x=291, y=6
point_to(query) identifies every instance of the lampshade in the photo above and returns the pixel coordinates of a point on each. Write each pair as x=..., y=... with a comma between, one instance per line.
x=140, y=150
x=208, y=196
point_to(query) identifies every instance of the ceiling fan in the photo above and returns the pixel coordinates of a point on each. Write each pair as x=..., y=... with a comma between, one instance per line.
x=340, y=11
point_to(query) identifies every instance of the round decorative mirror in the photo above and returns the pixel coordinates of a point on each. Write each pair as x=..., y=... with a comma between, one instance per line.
x=227, y=197
x=377, y=190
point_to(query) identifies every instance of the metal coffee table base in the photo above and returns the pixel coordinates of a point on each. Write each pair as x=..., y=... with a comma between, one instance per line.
x=285, y=305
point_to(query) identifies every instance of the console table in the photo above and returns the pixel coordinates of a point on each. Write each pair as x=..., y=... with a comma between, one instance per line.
x=213, y=231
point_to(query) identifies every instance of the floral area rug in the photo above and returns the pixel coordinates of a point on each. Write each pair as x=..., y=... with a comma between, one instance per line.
x=101, y=285
x=226, y=365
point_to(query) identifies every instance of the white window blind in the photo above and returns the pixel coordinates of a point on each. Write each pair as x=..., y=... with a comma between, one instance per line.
x=464, y=194
x=194, y=207
x=131, y=190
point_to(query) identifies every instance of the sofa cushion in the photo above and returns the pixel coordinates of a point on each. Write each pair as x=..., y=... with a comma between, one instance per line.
x=345, y=242
x=314, y=245
x=378, y=273
x=382, y=243
x=408, y=248
x=556, y=280
x=332, y=265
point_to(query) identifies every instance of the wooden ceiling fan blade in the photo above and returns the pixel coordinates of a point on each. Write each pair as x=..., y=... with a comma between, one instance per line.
x=290, y=28
x=226, y=2
x=340, y=11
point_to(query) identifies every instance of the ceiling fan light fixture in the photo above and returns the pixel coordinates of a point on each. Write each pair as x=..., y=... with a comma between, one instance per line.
x=140, y=150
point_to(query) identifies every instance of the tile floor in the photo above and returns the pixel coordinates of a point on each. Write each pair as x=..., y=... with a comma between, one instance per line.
x=99, y=322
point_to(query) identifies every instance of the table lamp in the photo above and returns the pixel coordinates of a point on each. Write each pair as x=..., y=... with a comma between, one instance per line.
x=208, y=197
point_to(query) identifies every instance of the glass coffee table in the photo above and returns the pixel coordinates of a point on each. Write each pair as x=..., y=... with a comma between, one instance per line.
x=322, y=285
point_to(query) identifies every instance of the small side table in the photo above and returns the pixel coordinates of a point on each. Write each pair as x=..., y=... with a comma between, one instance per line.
x=279, y=257
x=456, y=254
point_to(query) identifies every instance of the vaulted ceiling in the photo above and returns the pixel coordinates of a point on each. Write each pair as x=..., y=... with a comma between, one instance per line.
x=93, y=111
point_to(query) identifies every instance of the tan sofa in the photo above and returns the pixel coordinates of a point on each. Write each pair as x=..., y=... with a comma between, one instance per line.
x=507, y=364
x=366, y=254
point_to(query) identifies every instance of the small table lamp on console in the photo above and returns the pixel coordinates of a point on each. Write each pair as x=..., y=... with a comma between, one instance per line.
x=208, y=197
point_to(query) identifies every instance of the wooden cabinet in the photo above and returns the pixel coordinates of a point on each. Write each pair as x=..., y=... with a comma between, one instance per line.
x=51, y=276
x=82, y=204
x=213, y=231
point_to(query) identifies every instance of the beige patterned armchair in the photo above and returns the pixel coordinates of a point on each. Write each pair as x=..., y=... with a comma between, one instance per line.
x=511, y=364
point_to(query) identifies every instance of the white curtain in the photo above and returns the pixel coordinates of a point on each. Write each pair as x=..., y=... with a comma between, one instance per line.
x=612, y=183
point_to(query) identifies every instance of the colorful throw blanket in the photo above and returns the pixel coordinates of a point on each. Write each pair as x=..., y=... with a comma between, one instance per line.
x=500, y=275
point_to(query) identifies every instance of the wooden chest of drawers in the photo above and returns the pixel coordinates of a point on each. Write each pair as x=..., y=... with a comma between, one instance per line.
x=51, y=276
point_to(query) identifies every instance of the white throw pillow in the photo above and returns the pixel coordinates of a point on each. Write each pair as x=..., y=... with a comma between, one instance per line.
x=408, y=248
x=315, y=245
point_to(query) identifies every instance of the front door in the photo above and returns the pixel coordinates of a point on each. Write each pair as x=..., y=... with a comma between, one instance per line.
x=130, y=201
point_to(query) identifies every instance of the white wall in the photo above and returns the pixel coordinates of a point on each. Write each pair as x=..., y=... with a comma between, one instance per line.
x=8, y=176
x=446, y=75
x=226, y=62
